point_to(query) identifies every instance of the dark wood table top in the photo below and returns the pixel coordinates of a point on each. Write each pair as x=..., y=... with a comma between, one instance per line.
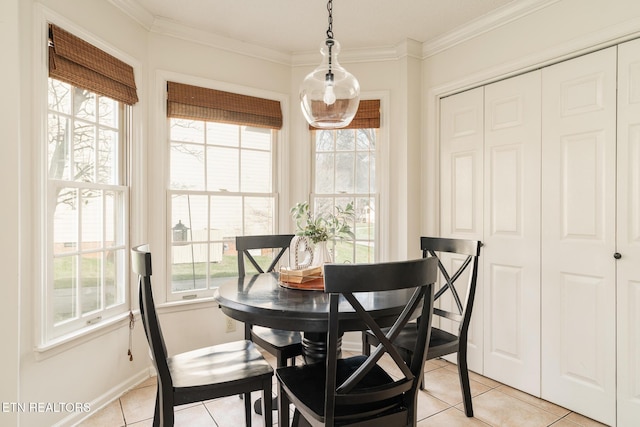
x=261, y=300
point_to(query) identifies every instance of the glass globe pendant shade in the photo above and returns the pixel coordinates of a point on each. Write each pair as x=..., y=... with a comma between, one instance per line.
x=329, y=95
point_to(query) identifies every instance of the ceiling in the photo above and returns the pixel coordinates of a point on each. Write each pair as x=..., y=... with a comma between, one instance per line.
x=299, y=26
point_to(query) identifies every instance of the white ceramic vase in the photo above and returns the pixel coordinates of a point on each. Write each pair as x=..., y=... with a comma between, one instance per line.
x=321, y=254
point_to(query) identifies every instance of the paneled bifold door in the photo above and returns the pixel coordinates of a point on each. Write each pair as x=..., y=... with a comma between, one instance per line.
x=490, y=190
x=511, y=256
x=544, y=168
x=628, y=235
x=578, y=234
x=461, y=166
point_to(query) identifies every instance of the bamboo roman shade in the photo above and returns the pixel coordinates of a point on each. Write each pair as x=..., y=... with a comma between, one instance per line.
x=367, y=117
x=81, y=64
x=197, y=103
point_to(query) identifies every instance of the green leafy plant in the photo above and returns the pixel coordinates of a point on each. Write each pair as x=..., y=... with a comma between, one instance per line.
x=324, y=226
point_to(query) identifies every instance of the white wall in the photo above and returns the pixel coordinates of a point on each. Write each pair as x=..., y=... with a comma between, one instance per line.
x=10, y=213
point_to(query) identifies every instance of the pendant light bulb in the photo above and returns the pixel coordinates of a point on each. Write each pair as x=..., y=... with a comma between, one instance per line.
x=329, y=95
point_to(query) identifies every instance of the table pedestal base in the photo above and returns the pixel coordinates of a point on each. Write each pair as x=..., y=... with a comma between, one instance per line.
x=314, y=347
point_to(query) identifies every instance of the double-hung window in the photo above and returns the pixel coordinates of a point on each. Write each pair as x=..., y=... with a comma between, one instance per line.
x=87, y=194
x=345, y=172
x=222, y=182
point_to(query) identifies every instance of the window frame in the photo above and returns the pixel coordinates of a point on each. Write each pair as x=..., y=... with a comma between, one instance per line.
x=46, y=339
x=279, y=157
x=375, y=195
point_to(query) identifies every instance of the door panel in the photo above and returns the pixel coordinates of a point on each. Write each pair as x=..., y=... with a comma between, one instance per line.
x=578, y=229
x=628, y=266
x=511, y=254
x=461, y=166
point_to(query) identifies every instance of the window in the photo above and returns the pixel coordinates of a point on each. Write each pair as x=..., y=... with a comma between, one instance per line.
x=87, y=194
x=345, y=172
x=222, y=185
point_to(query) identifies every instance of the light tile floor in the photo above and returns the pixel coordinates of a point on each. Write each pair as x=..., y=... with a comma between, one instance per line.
x=494, y=404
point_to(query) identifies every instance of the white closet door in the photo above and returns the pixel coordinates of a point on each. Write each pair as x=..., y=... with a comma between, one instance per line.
x=578, y=227
x=628, y=266
x=511, y=255
x=461, y=171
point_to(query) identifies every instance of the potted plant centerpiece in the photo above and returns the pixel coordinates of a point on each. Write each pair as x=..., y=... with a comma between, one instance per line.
x=319, y=228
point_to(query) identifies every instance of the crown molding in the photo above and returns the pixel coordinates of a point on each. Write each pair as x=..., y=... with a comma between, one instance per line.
x=180, y=31
x=406, y=48
x=497, y=18
x=135, y=12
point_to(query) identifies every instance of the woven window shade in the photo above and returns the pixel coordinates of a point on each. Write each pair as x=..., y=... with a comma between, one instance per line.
x=197, y=103
x=83, y=65
x=367, y=117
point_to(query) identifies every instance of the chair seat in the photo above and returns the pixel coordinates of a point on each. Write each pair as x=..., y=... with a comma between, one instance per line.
x=210, y=366
x=440, y=344
x=307, y=382
x=286, y=341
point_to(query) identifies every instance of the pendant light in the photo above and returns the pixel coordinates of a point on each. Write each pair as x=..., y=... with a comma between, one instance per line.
x=329, y=95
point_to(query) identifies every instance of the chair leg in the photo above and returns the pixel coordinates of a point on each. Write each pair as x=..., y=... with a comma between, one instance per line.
x=163, y=415
x=283, y=407
x=296, y=419
x=281, y=361
x=156, y=411
x=267, y=405
x=247, y=409
x=463, y=373
x=299, y=420
x=366, y=349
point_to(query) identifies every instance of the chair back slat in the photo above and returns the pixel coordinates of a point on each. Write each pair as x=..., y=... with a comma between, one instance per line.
x=244, y=244
x=447, y=315
x=343, y=282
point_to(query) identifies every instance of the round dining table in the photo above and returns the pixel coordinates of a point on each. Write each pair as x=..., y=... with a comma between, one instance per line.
x=263, y=300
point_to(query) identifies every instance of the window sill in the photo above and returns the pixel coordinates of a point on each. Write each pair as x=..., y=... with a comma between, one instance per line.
x=66, y=342
x=181, y=305
x=69, y=341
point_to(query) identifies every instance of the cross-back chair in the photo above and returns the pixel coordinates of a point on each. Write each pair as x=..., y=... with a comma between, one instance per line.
x=284, y=345
x=201, y=374
x=443, y=342
x=363, y=390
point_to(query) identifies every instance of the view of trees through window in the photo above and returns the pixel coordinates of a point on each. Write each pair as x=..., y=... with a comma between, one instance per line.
x=87, y=203
x=345, y=172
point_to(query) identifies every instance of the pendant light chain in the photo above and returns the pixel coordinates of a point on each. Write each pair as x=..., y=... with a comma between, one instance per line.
x=330, y=10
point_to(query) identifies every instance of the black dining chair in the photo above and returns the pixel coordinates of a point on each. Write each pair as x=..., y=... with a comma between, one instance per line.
x=364, y=390
x=284, y=345
x=443, y=342
x=202, y=374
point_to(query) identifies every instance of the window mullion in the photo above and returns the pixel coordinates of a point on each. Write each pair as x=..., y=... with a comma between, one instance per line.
x=205, y=153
